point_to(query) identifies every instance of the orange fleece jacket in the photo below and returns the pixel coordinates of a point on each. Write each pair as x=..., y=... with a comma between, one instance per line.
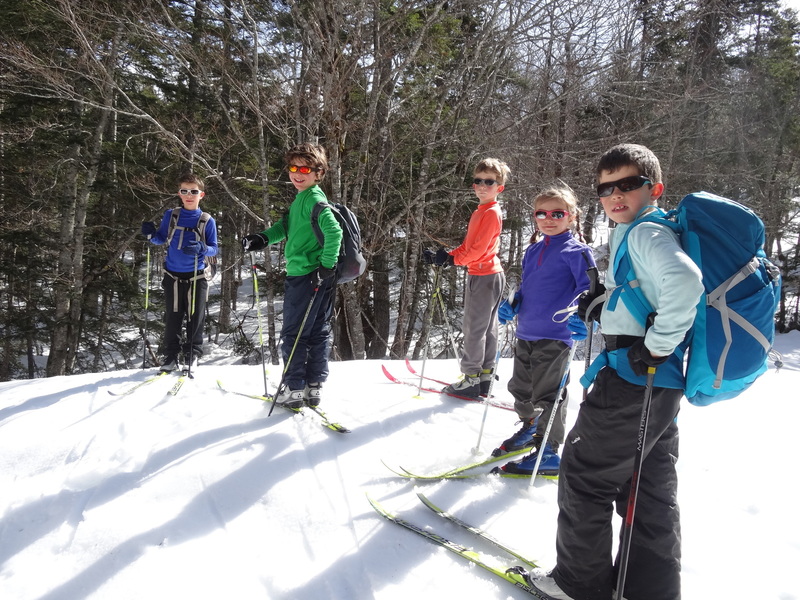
x=478, y=252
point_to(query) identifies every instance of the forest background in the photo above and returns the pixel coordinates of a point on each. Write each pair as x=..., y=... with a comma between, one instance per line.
x=103, y=104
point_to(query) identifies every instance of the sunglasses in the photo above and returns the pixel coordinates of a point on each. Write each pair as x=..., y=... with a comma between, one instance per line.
x=626, y=184
x=479, y=181
x=184, y=191
x=303, y=169
x=557, y=215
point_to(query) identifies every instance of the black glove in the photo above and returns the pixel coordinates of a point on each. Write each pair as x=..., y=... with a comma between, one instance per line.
x=640, y=359
x=148, y=228
x=440, y=258
x=324, y=273
x=256, y=241
x=194, y=248
x=585, y=299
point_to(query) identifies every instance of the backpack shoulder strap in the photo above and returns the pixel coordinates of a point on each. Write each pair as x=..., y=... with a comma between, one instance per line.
x=201, y=225
x=315, y=212
x=173, y=223
x=628, y=288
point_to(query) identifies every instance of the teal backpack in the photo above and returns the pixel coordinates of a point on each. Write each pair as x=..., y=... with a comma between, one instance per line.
x=732, y=335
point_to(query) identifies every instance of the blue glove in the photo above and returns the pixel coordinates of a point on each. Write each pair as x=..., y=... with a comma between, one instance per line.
x=194, y=248
x=507, y=312
x=577, y=327
x=148, y=229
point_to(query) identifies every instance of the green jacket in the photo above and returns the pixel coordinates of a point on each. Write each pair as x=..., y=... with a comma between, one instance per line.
x=303, y=253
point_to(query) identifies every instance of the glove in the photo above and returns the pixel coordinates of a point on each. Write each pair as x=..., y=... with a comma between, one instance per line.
x=440, y=258
x=639, y=358
x=577, y=327
x=324, y=273
x=194, y=248
x=585, y=299
x=256, y=241
x=148, y=228
x=506, y=312
x=443, y=258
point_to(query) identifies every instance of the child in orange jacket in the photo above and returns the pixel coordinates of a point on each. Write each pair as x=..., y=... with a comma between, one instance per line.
x=485, y=279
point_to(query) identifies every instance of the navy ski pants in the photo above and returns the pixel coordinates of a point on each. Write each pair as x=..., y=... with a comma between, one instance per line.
x=309, y=364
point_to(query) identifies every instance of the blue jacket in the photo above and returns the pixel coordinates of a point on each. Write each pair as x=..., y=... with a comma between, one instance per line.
x=177, y=261
x=553, y=274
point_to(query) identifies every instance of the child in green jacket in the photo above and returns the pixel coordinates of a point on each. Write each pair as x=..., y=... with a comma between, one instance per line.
x=310, y=278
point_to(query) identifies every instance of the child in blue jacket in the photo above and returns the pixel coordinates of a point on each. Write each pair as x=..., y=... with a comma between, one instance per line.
x=185, y=284
x=553, y=276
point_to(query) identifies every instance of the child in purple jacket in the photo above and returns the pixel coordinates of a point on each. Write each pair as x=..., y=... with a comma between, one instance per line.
x=553, y=275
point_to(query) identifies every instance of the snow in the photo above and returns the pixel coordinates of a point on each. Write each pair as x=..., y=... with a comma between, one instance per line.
x=202, y=495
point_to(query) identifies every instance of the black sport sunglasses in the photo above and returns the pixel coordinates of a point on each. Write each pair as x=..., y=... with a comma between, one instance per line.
x=626, y=184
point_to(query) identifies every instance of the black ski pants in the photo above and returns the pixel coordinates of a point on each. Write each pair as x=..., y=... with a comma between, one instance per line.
x=596, y=468
x=179, y=292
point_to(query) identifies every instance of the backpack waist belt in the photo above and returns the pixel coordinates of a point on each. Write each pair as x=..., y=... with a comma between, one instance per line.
x=615, y=342
x=175, y=281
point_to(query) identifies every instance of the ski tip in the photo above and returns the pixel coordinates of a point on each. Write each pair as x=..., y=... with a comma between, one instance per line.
x=377, y=506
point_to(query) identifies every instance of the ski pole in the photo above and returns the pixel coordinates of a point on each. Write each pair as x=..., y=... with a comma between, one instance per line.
x=450, y=336
x=282, y=382
x=593, y=275
x=476, y=450
x=556, y=404
x=258, y=318
x=627, y=532
x=190, y=329
x=146, y=305
x=431, y=306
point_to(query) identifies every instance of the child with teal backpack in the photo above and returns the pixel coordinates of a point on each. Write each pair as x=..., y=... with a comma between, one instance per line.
x=600, y=451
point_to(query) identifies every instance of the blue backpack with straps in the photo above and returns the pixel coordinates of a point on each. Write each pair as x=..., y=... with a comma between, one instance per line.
x=733, y=331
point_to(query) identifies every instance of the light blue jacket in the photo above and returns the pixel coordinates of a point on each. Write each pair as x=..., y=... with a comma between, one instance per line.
x=669, y=279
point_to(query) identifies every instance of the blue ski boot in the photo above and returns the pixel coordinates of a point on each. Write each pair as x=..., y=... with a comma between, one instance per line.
x=547, y=468
x=524, y=438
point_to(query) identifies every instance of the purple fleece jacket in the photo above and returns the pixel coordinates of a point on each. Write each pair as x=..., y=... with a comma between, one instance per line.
x=553, y=274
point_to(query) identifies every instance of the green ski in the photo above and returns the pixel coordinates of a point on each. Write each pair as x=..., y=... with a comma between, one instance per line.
x=475, y=530
x=324, y=420
x=514, y=575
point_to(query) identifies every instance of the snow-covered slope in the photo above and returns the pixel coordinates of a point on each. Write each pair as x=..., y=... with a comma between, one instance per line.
x=201, y=495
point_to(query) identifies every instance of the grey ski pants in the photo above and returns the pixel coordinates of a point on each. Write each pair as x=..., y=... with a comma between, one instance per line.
x=538, y=369
x=481, y=301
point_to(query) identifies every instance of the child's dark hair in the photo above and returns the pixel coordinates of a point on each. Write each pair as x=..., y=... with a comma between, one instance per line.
x=312, y=154
x=192, y=178
x=563, y=193
x=634, y=155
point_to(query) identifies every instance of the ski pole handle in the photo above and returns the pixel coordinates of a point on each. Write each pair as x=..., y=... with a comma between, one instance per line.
x=593, y=275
